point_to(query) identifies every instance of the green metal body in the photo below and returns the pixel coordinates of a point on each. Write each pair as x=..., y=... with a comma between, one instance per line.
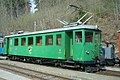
x=81, y=52
x=86, y=51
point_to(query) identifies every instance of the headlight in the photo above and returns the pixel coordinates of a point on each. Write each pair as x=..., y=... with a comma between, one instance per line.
x=87, y=52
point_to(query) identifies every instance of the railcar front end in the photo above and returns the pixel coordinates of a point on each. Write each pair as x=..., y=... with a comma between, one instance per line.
x=86, y=47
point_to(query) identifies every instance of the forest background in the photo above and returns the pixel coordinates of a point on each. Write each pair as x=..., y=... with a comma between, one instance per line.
x=17, y=15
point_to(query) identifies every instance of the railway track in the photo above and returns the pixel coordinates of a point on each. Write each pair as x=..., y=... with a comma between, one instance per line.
x=34, y=75
x=109, y=73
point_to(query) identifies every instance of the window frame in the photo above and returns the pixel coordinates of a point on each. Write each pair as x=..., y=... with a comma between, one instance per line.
x=0, y=45
x=57, y=41
x=99, y=38
x=22, y=41
x=47, y=40
x=88, y=36
x=29, y=43
x=10, y=42
x=78, y=40
x=40, y=39
x=16, y=43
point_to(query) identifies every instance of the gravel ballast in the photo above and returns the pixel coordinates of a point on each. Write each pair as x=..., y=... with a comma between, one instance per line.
x=77, y=75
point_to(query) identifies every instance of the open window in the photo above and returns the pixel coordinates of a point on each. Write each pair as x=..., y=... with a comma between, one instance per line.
x=78, y=37
x=16, y=42
x=88, y=36
x=49, y=40
x=39, y=40
x=23, y=41
x=58, y=39
x=30, y=41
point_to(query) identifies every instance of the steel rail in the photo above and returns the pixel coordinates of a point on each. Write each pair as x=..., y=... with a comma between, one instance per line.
x=109, y=73
x=37, y=75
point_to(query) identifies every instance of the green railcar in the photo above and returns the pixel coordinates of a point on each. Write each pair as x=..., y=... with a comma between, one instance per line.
x=78, y=45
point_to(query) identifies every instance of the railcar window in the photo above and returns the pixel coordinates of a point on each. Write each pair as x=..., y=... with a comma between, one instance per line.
x=78, y=37
x=49, y=40
x=10, y=42
x=16, y=42
x=39, y=40
x=88, y=36
x=0, y=45
x=30, y=41
x=58, y=39
x=23, y=41
x=96, y=37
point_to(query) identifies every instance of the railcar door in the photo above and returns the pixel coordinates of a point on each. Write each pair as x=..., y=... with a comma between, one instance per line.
x=89, y=46
x=6, y=46
x=78, y=45
x=68, y=44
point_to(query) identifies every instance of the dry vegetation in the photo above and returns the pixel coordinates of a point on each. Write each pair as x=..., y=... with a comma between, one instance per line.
x=106, y=15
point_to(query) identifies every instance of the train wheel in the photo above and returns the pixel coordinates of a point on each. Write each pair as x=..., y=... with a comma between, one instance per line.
x=40, y=62
x=110, y=63
x=88, y=69
x=57, y=64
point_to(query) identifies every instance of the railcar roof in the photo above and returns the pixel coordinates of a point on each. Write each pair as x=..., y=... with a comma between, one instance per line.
x=58, y=29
